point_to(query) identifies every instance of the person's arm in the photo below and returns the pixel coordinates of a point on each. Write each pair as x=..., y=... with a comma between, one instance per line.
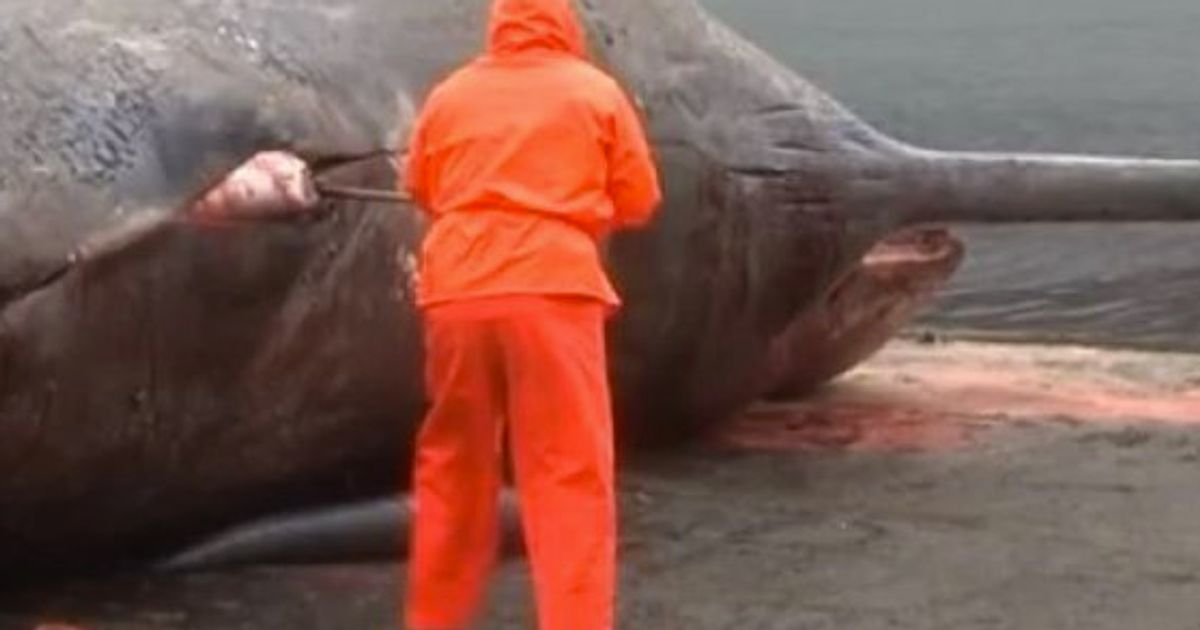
x=633, y=182
x=412, y=169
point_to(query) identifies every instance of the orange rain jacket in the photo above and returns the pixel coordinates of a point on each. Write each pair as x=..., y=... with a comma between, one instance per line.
x=526, y=158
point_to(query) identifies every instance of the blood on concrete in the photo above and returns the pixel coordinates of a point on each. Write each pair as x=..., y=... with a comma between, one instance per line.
x=937, y=397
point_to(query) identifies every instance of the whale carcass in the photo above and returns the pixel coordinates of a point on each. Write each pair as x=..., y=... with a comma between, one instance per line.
x=197, y=374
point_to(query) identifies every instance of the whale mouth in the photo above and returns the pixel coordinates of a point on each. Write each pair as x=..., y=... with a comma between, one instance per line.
x=865, y=309
x=916, y=259
x=898, y=275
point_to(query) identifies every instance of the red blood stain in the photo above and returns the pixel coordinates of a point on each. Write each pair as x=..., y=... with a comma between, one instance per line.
x=941, y=397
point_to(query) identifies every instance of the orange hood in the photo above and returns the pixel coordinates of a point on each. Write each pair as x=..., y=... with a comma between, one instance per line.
x=521, y=25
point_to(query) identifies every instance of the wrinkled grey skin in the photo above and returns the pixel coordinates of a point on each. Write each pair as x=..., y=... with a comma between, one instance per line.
x=198, y=376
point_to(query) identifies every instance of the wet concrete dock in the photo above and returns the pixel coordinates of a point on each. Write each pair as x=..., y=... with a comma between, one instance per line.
x=963, y=485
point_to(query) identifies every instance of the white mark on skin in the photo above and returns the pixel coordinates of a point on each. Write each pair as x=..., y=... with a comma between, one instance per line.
x=406, y=113
x=409, y=269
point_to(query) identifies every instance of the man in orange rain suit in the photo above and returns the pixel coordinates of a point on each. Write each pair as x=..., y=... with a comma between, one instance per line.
x=525, y=159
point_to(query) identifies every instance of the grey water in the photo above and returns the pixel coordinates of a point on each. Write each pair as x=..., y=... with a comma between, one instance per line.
x=1076, y=76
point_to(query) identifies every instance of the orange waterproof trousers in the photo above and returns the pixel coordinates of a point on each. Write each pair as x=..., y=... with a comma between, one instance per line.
x=538, y=366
